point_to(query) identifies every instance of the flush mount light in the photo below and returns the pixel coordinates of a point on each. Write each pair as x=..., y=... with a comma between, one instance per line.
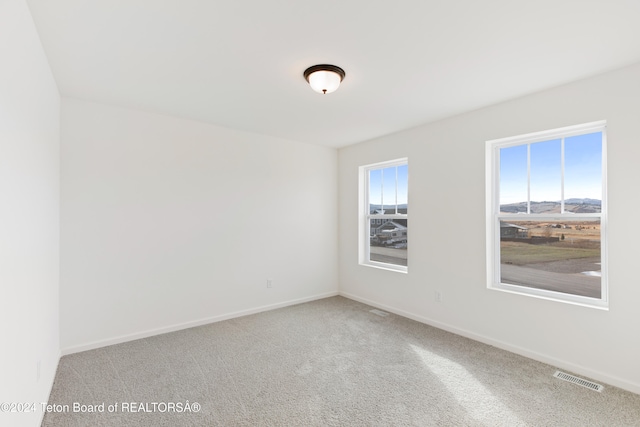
x=324, y=78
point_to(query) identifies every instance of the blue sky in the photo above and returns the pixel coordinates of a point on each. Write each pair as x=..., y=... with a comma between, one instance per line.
x=382, y=185
x=582, y=170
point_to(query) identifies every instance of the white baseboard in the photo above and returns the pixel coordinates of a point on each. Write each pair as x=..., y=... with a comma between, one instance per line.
x=172, y=328
x=563, y=364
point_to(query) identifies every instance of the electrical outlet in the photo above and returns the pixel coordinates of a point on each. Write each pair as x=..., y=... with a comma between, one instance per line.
x=269, y=283
x=438, y=296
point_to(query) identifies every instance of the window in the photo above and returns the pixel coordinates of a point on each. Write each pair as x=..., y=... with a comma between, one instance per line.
x=383, y=219
x=546, y=214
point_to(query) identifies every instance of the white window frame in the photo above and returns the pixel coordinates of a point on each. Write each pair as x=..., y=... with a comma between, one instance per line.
x=493, y=216
x=365, y=217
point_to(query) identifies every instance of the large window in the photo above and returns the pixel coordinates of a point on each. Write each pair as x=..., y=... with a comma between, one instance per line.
x=546, y=214
x=384, y=213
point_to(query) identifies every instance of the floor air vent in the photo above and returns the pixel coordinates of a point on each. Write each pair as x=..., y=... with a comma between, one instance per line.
x=379, y=312
x=576, y=380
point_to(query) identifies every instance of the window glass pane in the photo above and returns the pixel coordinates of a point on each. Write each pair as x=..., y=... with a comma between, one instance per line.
x=513, y=179
x=557, y=256
x=389, y=189
x=546, y=176
x=403, y=188
x=387, y=232
x=375, y=190
x=388, y=244
x=583, y=173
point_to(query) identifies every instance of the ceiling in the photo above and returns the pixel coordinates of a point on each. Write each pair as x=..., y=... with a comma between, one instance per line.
x=239, y=63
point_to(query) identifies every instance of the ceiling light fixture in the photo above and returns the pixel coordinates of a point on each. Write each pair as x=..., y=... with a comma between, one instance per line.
x=324, y=78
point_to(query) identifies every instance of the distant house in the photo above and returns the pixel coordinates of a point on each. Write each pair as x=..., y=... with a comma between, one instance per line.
x=513, y=231
x=390, y=231
x=377, y=222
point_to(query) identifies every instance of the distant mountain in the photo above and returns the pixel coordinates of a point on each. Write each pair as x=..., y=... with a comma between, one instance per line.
x=583, y=202
x=570, y=205
x=376, y=207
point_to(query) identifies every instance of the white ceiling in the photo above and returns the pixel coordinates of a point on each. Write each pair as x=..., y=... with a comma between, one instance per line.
x=239, y=63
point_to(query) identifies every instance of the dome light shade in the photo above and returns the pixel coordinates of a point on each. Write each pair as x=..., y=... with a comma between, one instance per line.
x=324, y=78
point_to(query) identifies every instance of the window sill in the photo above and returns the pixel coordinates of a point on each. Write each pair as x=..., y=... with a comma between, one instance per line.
x=388, y=267
x=598, y=304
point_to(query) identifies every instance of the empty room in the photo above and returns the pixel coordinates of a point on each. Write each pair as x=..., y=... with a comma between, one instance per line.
x=354, y=213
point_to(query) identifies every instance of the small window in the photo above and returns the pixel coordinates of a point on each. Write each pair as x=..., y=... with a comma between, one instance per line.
x=546, y=215
x=384, y=200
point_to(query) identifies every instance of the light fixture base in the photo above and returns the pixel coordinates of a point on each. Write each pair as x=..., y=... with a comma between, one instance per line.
x=324, y=78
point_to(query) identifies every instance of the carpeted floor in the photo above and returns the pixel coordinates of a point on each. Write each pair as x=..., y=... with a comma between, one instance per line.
x=330, y=362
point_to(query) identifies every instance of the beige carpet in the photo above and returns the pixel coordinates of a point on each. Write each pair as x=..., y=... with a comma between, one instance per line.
x=330, y=362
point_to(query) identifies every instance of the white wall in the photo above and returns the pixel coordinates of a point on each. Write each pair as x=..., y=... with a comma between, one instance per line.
x=447, y=234
x=168, y=223
x=29, y=216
